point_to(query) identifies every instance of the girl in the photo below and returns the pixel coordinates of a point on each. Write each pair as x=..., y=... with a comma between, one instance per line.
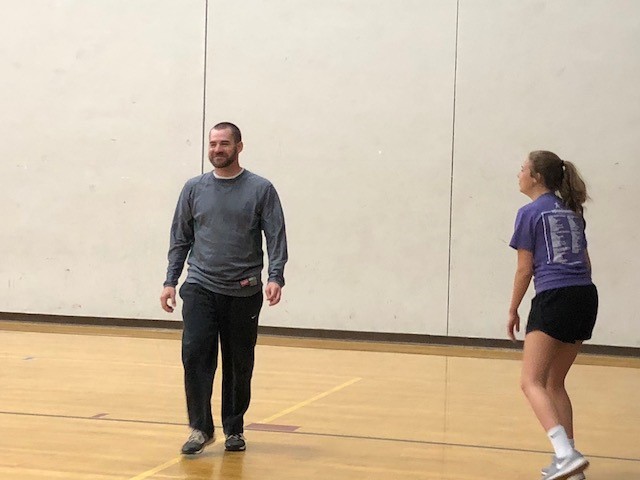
x=552, y=248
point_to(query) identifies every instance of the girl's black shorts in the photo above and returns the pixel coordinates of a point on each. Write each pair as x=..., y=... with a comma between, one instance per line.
x=567, y=314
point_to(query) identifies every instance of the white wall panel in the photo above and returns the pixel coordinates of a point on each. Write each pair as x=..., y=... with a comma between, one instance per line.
x=555, y=75
x=102, y=113
x=347, y=108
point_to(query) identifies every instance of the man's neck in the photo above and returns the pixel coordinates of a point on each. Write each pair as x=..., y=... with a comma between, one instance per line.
x=231, y=171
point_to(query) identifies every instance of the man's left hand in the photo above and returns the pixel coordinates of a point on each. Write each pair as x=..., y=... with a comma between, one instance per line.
x=273, y=291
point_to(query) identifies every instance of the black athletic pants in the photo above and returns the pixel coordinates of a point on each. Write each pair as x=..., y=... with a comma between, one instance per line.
x=208, y=316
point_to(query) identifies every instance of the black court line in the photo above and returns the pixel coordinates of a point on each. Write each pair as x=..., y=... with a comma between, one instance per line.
x=319, y=434
x=101, y=419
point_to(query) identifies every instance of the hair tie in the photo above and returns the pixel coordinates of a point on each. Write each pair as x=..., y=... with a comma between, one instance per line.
x=562, y=163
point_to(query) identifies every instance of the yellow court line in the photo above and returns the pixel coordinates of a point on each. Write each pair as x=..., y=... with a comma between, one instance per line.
x=311, y=400
x=159, y=468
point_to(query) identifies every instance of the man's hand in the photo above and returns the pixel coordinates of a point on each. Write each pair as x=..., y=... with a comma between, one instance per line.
x=168, y=299
x=273, y=291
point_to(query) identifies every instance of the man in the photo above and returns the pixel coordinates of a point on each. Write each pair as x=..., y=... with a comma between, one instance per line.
x=219, y=222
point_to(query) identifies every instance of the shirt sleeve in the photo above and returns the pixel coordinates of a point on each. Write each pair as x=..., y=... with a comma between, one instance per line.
x=182, y=236
x=272, y=224
x=524, y=232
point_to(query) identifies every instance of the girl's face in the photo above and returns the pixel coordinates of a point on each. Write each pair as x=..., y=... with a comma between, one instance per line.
x=526, y=180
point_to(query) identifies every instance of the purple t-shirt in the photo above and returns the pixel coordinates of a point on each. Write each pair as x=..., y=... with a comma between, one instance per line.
x=555, y=235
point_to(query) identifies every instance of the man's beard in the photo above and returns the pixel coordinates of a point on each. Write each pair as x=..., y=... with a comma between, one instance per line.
x=221, y=161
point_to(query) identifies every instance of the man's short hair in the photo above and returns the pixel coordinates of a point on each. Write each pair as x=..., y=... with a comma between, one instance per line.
x=235, y=131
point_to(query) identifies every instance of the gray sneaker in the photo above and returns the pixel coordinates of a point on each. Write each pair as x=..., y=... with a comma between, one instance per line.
x=196, y=442
x=565, y=468
x=579, y=476
x=235, y=443
x=544, y=470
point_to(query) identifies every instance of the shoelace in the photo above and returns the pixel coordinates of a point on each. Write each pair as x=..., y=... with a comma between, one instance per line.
x=197, y=436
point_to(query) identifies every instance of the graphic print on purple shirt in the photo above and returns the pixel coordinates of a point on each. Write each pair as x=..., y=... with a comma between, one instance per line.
x=555, y=235
x=564, y=236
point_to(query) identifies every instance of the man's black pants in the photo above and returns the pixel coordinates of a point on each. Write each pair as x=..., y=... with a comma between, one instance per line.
x=234, y=320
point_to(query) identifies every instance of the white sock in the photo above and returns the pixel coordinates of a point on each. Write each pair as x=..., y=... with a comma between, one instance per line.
x=560, y=441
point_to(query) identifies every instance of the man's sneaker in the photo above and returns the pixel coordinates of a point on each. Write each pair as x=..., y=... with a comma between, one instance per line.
x=196, y=442
x=235, y=443
x=565, y=468
x=579, y=476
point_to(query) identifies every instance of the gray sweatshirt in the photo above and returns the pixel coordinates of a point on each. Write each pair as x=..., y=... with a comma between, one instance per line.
x=219, y=224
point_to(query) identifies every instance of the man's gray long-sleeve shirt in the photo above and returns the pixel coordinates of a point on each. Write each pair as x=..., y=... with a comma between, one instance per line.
x=218, y=223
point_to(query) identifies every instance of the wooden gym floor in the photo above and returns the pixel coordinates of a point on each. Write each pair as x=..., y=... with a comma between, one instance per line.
x=108, y=404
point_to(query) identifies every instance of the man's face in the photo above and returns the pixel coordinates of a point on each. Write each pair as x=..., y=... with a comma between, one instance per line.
x=223, y=150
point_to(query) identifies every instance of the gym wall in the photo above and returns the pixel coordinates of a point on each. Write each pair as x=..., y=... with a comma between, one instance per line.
x=392, y=131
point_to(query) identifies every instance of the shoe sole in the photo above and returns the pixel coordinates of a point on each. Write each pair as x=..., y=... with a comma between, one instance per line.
x=575, y=476
x=236, y=449
x=578, y=466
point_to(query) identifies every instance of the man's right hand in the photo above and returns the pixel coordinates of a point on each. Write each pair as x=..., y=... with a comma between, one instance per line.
x=168, y=299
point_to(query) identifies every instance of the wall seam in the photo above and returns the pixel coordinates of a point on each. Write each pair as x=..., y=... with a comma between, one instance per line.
x=204, y=84
x=453, y=139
